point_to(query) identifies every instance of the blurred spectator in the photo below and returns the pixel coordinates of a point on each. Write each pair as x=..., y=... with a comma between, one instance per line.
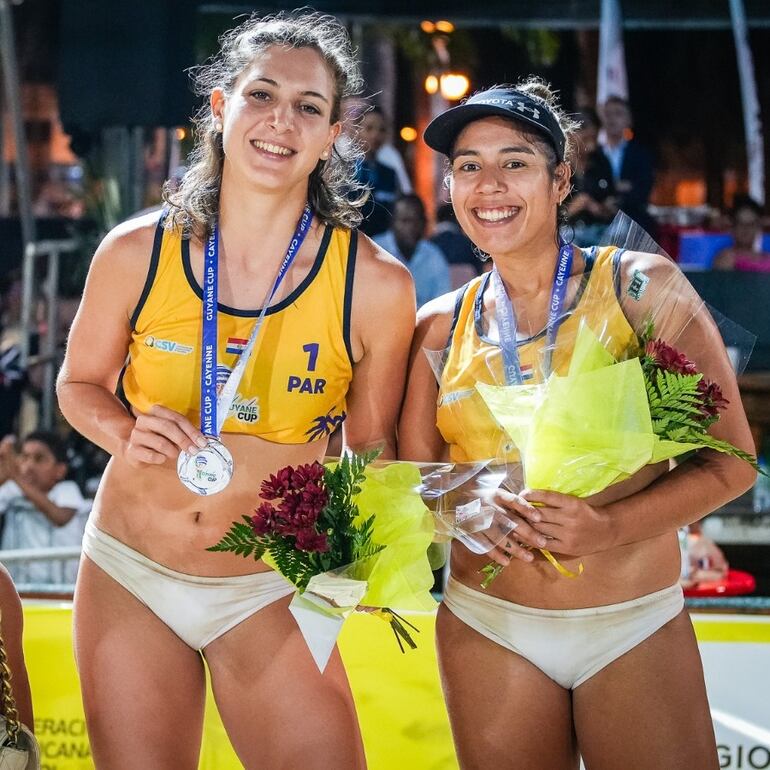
x=631, y=162
x=706, y=561
x=464, y=265
x=746, y=252
x=12, y=375
x=39, y=508
x=453, y=242
x=390, y=156
x=406, y=241
x=379, y=178
x=86, y=464
x=57, y=199
x=11, y=383
x=592, y=204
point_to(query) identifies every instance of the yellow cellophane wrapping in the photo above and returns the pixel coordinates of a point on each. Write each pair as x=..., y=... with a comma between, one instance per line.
x=582, y=432
x=399, y=576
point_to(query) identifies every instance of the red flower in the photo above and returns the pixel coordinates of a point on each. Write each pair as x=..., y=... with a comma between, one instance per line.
x=663, y=356
x=262, y=522
x=314, y=499
x=311, y=541
x=306, y=474
x=712, y=399
x=277, y=485
x=302, y=498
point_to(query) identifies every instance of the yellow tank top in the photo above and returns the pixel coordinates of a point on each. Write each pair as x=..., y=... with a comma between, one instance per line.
x=294, y=386
x=462, y=416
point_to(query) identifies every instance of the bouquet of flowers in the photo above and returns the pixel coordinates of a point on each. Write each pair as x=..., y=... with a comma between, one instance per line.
x=348, y=535
x=605, y=419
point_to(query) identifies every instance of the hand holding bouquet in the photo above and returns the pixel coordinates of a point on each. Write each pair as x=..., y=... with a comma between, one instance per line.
x=605, y=419
x=348, y=535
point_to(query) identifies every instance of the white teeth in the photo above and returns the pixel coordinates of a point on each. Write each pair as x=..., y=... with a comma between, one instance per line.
x=495, y=215
x=274, y=148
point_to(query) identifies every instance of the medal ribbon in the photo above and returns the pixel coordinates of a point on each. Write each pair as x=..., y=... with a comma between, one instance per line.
x=506, y=317
x=214, y=408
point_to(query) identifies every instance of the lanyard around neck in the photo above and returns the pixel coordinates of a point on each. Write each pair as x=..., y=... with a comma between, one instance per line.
x=506, y=317
x=214, y=408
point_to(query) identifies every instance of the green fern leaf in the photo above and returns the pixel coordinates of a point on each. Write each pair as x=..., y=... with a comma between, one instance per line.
x=241, y=540
x=724, y=446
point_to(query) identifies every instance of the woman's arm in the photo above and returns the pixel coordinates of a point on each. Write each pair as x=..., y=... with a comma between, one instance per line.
x=382, y=323
x=97, y=350
x=420, y=440
x=12, y=627
x=418, y=437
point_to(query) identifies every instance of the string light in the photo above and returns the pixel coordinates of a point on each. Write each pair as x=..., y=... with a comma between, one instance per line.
x=454, y=86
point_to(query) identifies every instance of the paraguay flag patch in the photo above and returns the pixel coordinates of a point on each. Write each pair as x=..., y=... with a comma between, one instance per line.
x=527, y=372
x=235, y=346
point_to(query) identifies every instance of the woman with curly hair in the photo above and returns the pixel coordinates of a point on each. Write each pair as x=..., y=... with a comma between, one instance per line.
x=243, y=326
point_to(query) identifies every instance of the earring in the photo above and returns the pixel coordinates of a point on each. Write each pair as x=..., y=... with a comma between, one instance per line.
x=324, y=156
x=218, y=126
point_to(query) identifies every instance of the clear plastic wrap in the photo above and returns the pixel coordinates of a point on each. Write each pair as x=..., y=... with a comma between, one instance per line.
x=619, y=377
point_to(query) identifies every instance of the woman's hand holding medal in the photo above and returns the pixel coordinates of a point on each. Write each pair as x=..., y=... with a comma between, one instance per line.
x=160, y=435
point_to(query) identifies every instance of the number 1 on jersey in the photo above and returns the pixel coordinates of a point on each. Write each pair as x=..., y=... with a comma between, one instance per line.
x=312, y=350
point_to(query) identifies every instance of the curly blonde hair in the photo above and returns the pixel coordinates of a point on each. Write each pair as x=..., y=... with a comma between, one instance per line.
x=333, y=192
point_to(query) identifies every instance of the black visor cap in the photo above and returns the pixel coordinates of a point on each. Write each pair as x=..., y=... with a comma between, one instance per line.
x=443, y=130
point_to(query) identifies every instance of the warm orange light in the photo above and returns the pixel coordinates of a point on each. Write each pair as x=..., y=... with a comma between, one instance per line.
x=408, y=133
x=454, y=86
x=428, y=27
x=445, y=26
x=690, y=192
x=181, y=134
x=431, y=84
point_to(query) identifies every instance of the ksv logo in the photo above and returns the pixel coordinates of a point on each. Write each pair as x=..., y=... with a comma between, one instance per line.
x=167, y=346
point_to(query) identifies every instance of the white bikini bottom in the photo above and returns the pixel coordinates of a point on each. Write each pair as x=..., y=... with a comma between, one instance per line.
x=569, y=646
x=197, y=609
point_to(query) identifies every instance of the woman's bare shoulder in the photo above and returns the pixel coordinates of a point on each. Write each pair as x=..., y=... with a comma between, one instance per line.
x=122, y=261
x=434, y=321
x=131, y=241
x=383, y=283
x=380, y=264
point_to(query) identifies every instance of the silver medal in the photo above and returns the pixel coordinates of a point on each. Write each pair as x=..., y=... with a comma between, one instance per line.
x=208, y=471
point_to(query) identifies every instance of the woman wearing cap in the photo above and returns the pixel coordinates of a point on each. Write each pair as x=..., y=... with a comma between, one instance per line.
x=268, y=191
x=540, y=668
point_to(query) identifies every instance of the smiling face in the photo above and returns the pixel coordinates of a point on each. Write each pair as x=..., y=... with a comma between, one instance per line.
x=503, y=192
x=277, y=120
